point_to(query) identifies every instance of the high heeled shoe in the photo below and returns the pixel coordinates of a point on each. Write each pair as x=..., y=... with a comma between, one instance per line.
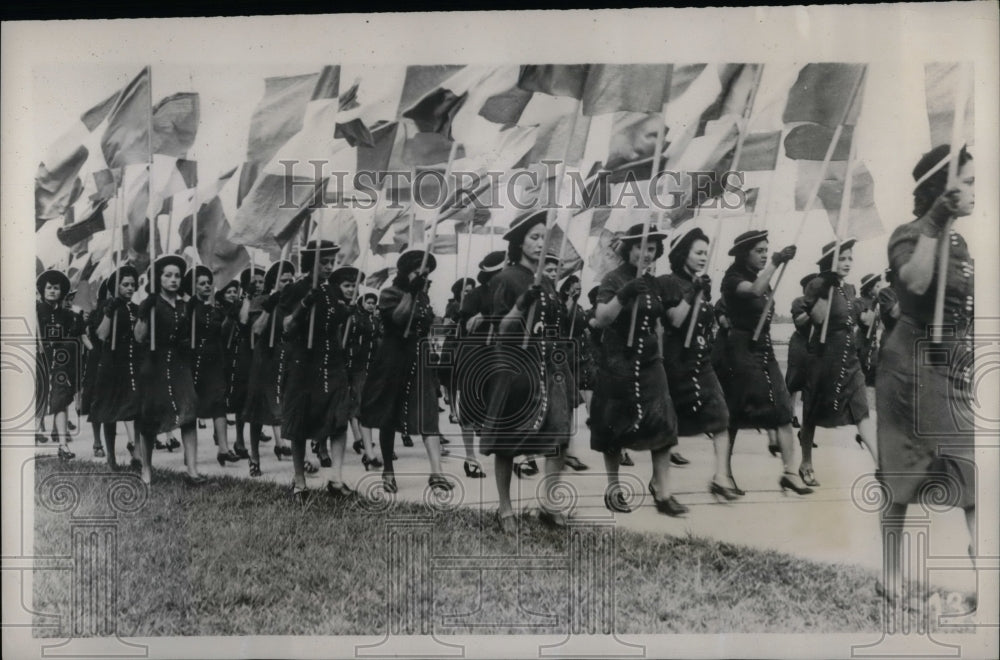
x=722, y=492
x=861, y=441
x=130, y=447
x=574, y=463
x=300, y=494
x=195, y=479
x=389, y=483
x=65, y=454
x=808, y=477
x=254, y=469
x=407, y=440
x=473, y=470
x=774, y=449
x=325, y=461
x=626, y=460
x=506, y=524
x=736, y=489
x=173, y=443
x=70, y=426
x=309, y=468
x=677, y=459
x=439, y=482
x=160, y=446
x=795, y=423
x=787, y=484
x=615, y=502
x=341, y=492
x=227, y=457
x=265, y=438
x=99, y=452
x=241, y=452
x=554, y=519
x=670, y=507
x=277, y=452
x=357, y=446
x=41, y=439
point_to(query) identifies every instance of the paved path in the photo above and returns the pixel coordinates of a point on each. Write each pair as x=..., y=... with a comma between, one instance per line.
x=828, y=526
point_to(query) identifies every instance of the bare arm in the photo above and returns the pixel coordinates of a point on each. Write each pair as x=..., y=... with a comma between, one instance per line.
x=678, y=313
x=759, y=286
x=917, y=273
x=104, y=329
x=401, y=314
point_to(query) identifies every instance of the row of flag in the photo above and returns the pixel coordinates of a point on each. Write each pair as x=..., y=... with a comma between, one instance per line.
x=122, y=183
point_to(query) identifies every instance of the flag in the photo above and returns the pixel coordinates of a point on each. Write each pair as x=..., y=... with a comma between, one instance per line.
x=822, y=92
x=554, y=79
x=77, y=232
x=811, y=141
x=942, y=82
x=626, y=87
x=760, y=152
x=127, y=140
x=736, y=82
x=175, y=124
x=380, y=277
x=863, y=220
x=553, y=142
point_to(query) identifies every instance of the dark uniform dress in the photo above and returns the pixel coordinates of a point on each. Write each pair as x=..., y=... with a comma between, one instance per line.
x=798, y=349
x=694, y=386
x=751, y=378
x=118, y=395
x=923, y=390
x=446, y=368
x=590, y=349
x=268, y=370
x=574, y=328
x=868, y=341
x=834, y=394
x=168, y=398
x=239, y=351
x=529, y=388
x=315, y=398
x=209, y=359
x=400, y=393
x=91, y=359
x=57, y=369
x=631, y=408
x=361, y=346
x=721, y=339
x=474, y=357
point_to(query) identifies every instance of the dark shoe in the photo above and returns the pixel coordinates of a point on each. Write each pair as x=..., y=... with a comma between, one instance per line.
x=325, y=461
x=670, y=507
x=201, y=424
x=858, y=439
x=130, y=447
x=407, y=441
x=787, y=484
x=41, y=439
x=309, y=468
x=357, y=446
x=173, y=443
x=135, y=464
x=230, y=422
x=254, y=469
x=506, y=524
x=65, y=454
x=736, y=489
x=553, y=519
x=525, y=469
x=626, y=460
x=677, y=459
x=439, y=482
x=70, y=426
x=313, y=446
x=99, y=452
x=286, y=450
x=240, y=452
x=278, y=453
x=229, y=457
x=197, y=480
x=452, y=418
x=722, y=492
x=808, y=477
x=614, y=501
x=444, y=452
x=389, y=483
x=158, y=445
x=300, y=494
x=795, y=423
x=444, y=440
x=574, y=463
x=774, y=449
x=265, y=438
x=340, y=492
x=473, y=470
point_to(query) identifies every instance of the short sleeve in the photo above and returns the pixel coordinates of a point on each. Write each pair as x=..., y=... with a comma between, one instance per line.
x=272, y=301
x=730, y=281
x=610, y=286
x=388, y=300
x=671, y=292
x=902, y=243
x=814, y=291
x=504, y=295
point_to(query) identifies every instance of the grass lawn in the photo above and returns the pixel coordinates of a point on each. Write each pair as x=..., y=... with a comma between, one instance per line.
x=236, y=557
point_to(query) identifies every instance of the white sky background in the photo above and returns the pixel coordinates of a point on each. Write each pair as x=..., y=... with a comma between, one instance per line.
x=892, y=131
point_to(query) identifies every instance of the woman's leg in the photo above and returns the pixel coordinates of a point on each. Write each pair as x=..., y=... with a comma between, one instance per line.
x=387, y=442
x=366, y=440
x=661, y=472
x=723, y=469
x=189, y=438
x=256, y=430
x=731, y=441
x=146, y=441
x=221, y=434
x=432, y=443
x=130, y=433
x=110, y=431
x=806, y=435
x=866, y=429
x=892, y=520
x=59, y=421
x=503, y=466
x=469, y=440
x=299, y=462
x=338, y=443
x=95, y=428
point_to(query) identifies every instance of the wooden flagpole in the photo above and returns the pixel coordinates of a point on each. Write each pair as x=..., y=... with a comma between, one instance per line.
x=152, y=222
x=119, y=203
x=769, y=299
x=281, y=264
x=845, y=211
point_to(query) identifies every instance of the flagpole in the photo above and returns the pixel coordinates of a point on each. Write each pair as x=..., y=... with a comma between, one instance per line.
x=769, y=299
x=197, y=256
x=551, y=213
x=845, y=209
x=714, y=243
x=315, y=280
x=150, y=221
x=281, y=264
x=661, y=130
x=430, y=243
x=363, y=251
x=114, y=263
x=957, y=128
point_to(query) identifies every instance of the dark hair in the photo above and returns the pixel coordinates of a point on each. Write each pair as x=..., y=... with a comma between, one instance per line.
x=742, y=252
x=564, y=289
x=459, y=285
x=514, y=250
x=625, y=247
x=365, y=298
x=925, y=194
x=826, y=263
x=679, y=255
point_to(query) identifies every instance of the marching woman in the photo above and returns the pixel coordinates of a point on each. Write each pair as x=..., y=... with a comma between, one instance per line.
x=117, y=396
x=632, y=407
x=589, y=349
x=574, y=328
x=452, y=318
x=240, y=349
x=168, y=398
x=798, y=351
x=400, y=393
x=268, y=368
x=868, y=334
x=925, y=415
x=529, y=409
x=207, y=338
x=756, y=395
x=59, y=331
x=315, y=397
x=366, y=332
x=694, y=387
x=834, y=393
x=93, y=346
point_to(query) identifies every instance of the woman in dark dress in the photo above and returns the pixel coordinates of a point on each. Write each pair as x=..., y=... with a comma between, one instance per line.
x=632, y=407
x=268, y=369
x=756, y=395
x=926, y=421
x=239, y=345
x=798, y=351
x=118, y=396
x=834, y=393
x=168, y=398
x=315, y=398
x=452, y=319
x=529, y=409
x=92, y=348
x=208, y=369
x=868, y=331
x=400, y=393
x=694, y=387
x=365, y=335
x=475, y=328
x=56, y=377
x=574, y=329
